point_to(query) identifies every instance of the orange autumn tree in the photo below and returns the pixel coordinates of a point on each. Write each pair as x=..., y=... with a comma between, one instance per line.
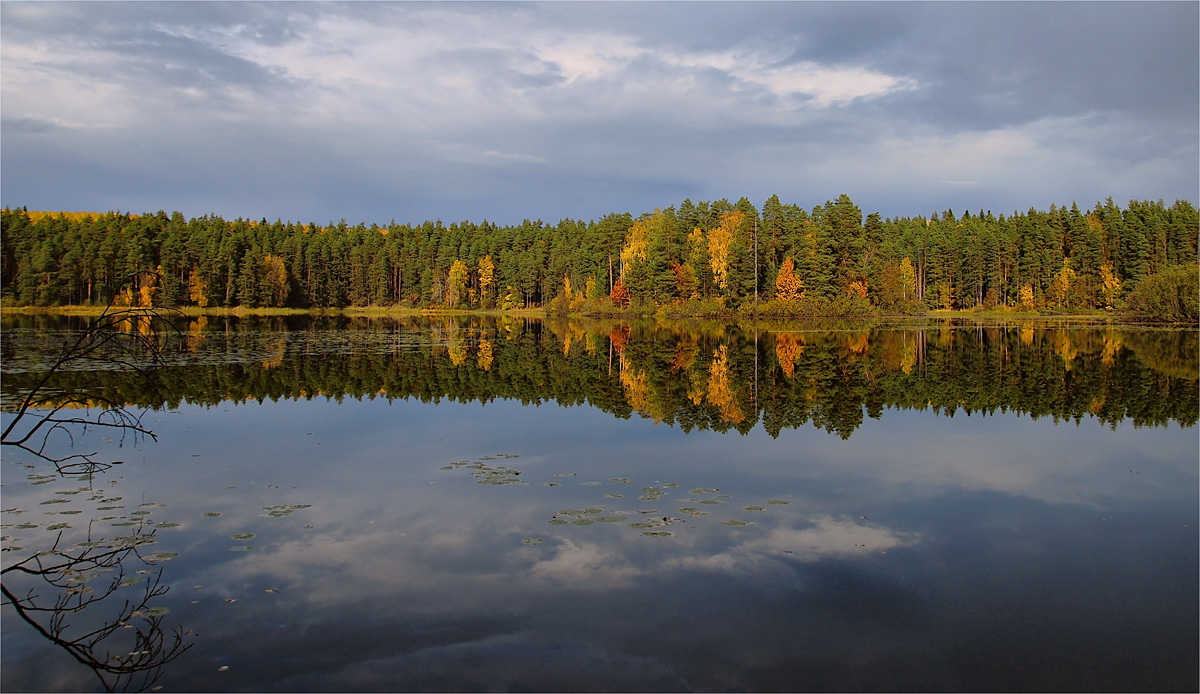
x=787, y=285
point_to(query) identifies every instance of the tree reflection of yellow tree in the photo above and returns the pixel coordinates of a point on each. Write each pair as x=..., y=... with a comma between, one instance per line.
x=788, y=348
x=720, y=392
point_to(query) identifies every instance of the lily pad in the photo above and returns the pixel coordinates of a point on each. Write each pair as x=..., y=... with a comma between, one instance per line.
x=734, y=522
x=163, y=556
x=658, y=533
x=243, y=536
x=533, y=541
x=211, y=514
x=778, y=502
x=756, y=508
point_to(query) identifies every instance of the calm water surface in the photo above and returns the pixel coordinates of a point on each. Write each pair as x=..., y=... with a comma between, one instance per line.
x=470, y=505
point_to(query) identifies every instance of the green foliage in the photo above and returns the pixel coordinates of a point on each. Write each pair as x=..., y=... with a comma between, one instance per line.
x=702, y=251
x=1172, y=295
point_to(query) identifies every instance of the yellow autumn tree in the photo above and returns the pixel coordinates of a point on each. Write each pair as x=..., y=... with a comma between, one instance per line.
x=275, y=280
x=908, y=279
x=487, y=275
x=787, y=285
x=720, y=240
x=637, y=240
x=1062, y=285
x=197, y=289
x=456, y=283
x=1026, y=299
x=1110, y=286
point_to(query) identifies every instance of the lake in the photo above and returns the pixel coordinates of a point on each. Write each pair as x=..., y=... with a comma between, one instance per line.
x=450, y=504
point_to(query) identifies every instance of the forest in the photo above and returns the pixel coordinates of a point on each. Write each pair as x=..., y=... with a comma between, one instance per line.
x=705, y=258
x=697, y=375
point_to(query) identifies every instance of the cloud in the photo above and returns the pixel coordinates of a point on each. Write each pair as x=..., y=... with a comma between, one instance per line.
x=371, y=111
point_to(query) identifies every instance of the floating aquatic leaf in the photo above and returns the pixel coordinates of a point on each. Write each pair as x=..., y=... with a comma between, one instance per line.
x=70, y=513
x=157, y=611
x=572, y=512
x=721, y=496
x=622, y=480
x=243, y=536
x=154, y=505
x=57, y=526
x=139, y=513
x=670, y=485
x=658, y=533
x=163, y=556
x=756, y=508
x=242, y=548
x=610, y=519
x=648, y=510
x=593, y=511
x=614, y=496
x=688, y=509
x=211, y=514
x=446, y=467
x=125, y=524
x=778, y=502
x=223, y=668
x=645, y=524
x=55, y=501
x=711, y=502
x=557, y=521
x=27, y=526
x=734, y=522
x=108, y=508
x=565, y=474
x=552, y=484
x=582, y=521
x=703, y=490
x=272, y=590
x=590, y=484
x=533, y=540
x=167, y=524
x=132, y=580
x=283, y=510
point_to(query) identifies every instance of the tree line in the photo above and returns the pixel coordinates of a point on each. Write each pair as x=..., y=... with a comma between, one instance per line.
x=718, y=256
x=696, y=376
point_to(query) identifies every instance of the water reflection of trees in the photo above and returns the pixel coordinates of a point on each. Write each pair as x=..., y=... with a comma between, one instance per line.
x=692, y=374
x=55, y=591
x=81, y=597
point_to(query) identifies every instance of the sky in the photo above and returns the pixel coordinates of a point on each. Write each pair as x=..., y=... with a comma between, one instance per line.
x=380, y=111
